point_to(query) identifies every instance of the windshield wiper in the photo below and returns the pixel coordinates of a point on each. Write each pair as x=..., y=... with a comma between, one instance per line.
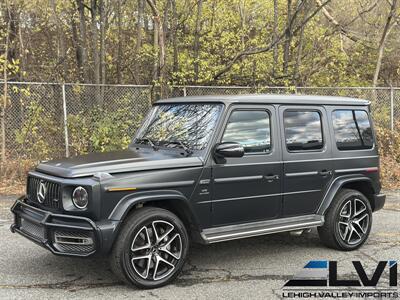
x=149, y=141
x=182, y=145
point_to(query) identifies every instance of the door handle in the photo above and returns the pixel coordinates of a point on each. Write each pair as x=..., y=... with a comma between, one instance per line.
x=271, y=177
x=325, y=172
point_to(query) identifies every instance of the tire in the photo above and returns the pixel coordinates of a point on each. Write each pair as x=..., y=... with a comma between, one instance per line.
x=146, y=257
x=341, y=215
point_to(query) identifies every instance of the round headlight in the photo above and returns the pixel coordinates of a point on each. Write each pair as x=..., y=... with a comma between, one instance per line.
x=80, y=197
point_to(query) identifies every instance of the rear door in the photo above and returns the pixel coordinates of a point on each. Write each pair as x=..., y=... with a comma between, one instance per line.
x=248, y=189
x=307, y=158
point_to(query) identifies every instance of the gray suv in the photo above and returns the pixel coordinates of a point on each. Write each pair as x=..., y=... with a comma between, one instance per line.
x=210, y=169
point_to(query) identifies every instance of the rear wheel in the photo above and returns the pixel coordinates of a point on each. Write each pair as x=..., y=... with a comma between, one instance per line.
x=347, y=222
x=151, y=249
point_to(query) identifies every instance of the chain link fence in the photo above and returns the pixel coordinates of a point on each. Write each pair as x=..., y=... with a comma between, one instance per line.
x=45, y=120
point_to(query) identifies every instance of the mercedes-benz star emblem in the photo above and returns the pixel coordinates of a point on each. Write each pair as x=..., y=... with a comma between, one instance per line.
x=41, y=192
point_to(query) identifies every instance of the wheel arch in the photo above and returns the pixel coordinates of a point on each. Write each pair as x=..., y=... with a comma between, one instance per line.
x=362, y=184
x=173, y=201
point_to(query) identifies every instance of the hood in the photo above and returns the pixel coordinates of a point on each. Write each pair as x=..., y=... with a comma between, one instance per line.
x=116, y=162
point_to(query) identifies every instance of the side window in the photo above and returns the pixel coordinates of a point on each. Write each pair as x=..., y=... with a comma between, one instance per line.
x=251, y=129
x=303, y=130
x=364, y=126
x=352, y=130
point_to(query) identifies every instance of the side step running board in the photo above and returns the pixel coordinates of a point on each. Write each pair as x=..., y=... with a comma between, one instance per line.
x=233, y=232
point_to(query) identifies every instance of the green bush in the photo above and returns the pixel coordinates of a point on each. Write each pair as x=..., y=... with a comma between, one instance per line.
x=98, y=130
x=93, y=130
x=38, y=135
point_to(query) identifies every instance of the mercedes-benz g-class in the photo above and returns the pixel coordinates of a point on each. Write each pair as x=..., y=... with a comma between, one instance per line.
x=210, y=169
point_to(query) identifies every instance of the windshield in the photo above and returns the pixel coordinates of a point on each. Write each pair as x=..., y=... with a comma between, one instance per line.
x=180, y=125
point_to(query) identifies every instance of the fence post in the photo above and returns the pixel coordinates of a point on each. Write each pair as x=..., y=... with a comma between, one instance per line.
x=65, y=121
x=184, y=91
x=391, y=108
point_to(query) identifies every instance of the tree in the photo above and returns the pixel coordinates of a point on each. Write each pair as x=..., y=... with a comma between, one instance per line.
x=158, y=25
x=214, y=42
x=196, y=45
x=82, y=52
x=275, y=37
x=391, y=21
x=62, y=52
x=3, y=107
x=282, y=37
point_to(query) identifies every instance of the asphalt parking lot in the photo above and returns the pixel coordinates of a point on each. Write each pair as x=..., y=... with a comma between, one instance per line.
x=254, y=268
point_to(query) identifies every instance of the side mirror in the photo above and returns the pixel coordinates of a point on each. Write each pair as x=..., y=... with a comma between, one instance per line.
x=228, y=150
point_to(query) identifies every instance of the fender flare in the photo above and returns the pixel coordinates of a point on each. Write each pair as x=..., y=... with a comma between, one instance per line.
x=129, y=201
x=335, y=186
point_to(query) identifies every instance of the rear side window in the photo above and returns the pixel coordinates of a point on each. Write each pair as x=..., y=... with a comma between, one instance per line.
x=303, y=130
x=251, y=129
x=352, y=130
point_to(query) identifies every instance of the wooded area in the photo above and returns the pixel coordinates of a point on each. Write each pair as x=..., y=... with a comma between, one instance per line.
x=237, y=42
x=166, y=43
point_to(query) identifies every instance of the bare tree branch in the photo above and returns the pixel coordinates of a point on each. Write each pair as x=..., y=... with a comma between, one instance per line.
x=362, y=13
x=280, y=38
x=336, y=24
x=386, y=31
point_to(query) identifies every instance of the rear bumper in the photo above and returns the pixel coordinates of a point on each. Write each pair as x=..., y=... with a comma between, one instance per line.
x=379, y=201
x=61, y=234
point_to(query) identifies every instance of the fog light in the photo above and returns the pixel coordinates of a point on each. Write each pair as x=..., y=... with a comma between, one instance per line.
x=80, y=197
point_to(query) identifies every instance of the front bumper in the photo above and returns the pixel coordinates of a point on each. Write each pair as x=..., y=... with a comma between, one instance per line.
x=61, y=234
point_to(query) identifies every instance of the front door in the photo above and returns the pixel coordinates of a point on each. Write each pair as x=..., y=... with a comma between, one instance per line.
x=248, y=189
x=307, y=155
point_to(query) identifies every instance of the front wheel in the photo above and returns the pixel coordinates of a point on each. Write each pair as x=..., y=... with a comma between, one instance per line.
x=347, y=222
x=151, y=249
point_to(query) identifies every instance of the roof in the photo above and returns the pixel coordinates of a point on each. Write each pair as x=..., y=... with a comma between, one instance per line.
x=270, y=99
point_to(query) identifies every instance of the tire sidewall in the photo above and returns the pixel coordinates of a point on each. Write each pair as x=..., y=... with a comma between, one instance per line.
x=347, y=196
x=133, y=229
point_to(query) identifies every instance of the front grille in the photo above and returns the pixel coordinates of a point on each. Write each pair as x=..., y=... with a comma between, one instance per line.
x=51, y=192
x=33, y=229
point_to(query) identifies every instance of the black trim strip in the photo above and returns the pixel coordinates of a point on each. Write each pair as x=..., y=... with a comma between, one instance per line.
x=257, y=196
x=235, y=179
x=159, y=185
x=301, y=174
x=242, y=198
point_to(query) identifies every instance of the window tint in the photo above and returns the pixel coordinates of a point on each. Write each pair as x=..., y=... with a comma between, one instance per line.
x=352, y=130
x=249, y=128
x=303, y=130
